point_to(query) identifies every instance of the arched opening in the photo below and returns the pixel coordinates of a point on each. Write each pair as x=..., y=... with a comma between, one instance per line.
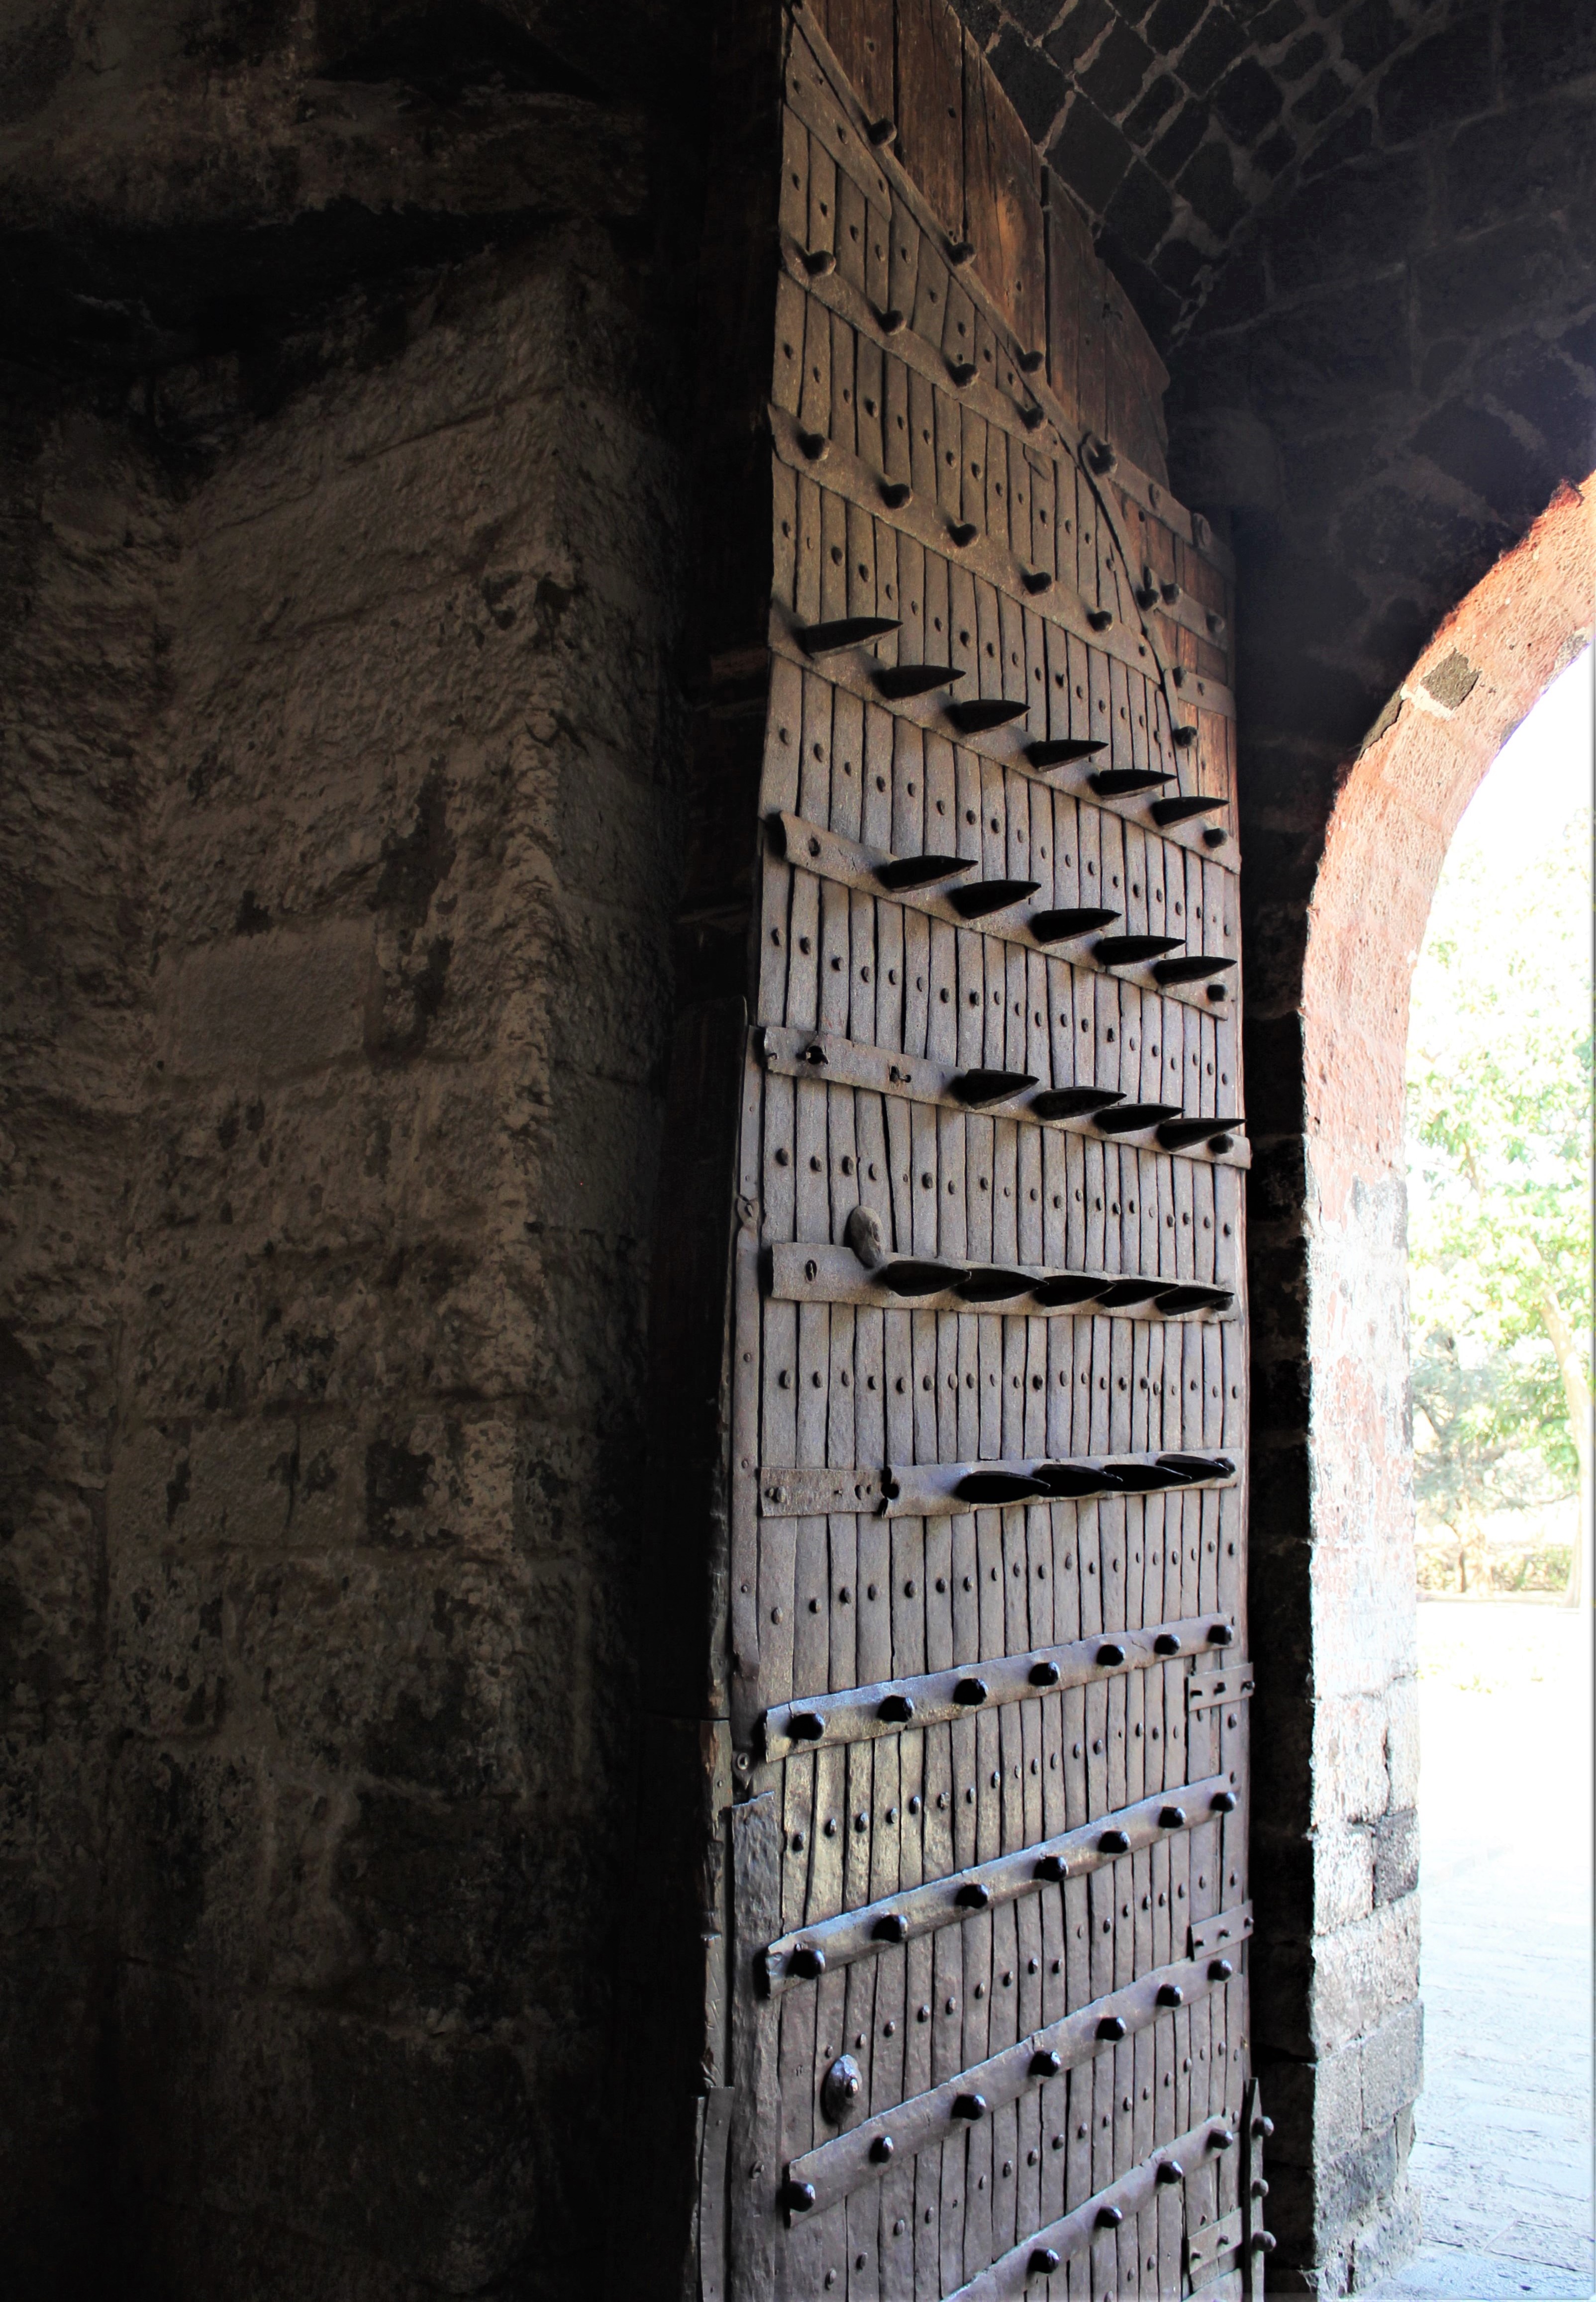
x=1388, y=834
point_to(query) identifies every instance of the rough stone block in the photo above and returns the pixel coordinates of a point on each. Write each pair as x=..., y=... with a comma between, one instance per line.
x=1397, y=1855
x=1344, y=1875
x=267, y=1008
x=1365, y=1973
x=1392, y=2062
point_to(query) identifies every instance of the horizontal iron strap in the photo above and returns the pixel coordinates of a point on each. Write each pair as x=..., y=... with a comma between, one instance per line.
x=846, y=475
x=834, y=1274
x=838, y=293
x=811, y=847
x=838, y=468
x=876, y=1927
x=1011, y=2275
x=1204, y=2246
x=846, y=2163
x=917, y=1078
x=930, y=1489
x=861, y=1713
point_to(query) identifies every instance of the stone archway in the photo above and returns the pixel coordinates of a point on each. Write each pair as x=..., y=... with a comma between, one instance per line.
x=1337, y=1990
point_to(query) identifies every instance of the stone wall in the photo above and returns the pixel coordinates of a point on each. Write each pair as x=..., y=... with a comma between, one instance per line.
x=342, y=712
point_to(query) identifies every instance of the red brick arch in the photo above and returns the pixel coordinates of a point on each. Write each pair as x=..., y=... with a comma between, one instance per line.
x=1338, y=2001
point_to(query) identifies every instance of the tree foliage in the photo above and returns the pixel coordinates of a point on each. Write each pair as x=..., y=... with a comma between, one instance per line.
x=1500, y=1063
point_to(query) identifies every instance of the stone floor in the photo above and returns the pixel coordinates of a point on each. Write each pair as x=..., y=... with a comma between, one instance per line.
x=1503, y=2154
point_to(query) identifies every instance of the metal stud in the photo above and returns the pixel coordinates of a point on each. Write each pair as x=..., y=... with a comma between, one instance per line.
x=1170, y=2169
x=1170, y=594
x=1100, y=619
x=818, y=261
x=1114, y=1842
x=1046, y=2063
x=970, y=1692
x=891, y=1927
x=1183, y=737
x=1263, y=2128
x=815, y=445
x=892, y=322
x=1260, y=2188
x=1060, y=750
x=973, y=1896
x=961, y=251
x=1171, y=1818
x=1031, y=416
x=1170, y=1994
x=1166, y=1643
x=1042, y=1674
x=1042, y=2262
x=1219, y=2138
x=841, y=2088
x=897, y=680
x=1052, y=1869
x=881, y=2148
x=1038, y=582
x=896, y=1709
x=972, y=2106
x=1108, y=1654
x=806, y=1727
x=1110, y=2217
x=963, y=531
x=979, y=715
x=1214, y=837
x=1224, y=1802
x=797, y=2198
x=1264, y=2240
x=1113, y=2026
x=1220, y=1969
x=896, y=493
x=808, y=1963
x=1100, y=454
x=1216, y=624
x=962, y=372
x=1220, y=1634
x=883, y=131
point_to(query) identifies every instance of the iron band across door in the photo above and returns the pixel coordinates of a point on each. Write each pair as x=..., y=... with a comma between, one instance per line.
x=1019, y=911
x=802, y=1274
x=864, y=1713
x=790, y=1053
x=863, y=2152
x=937, y=1490
x=811, y=1952
x=1169, y=2168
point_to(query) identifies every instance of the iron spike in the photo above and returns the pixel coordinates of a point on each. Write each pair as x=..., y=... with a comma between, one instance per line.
x=1190, y=968
x=979, y=1086
x=907, y=872
x=991, y=895
x=982, y=714
x=1120, y=783
x=1181, y=811
x=1059, y=751
x=898, y=680
x=1077, y=920
x=848, y=631
x=1073, y=1102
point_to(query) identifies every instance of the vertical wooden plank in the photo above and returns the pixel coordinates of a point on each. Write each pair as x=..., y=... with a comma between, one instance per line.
x=930, y=106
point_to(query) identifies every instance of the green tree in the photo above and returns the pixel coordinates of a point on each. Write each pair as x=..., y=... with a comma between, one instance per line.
x=1499, y=1083
x=1487, y=1437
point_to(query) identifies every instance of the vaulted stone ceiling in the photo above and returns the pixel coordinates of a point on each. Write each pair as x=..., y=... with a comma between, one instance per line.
x=1173, y=122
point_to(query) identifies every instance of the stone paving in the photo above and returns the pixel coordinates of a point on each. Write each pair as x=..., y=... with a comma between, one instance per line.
x=1503, y=2154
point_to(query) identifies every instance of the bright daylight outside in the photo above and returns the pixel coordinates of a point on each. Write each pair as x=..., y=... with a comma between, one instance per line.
x=1498, y=1150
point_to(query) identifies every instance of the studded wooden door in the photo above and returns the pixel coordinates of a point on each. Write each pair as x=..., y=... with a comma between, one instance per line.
x=987, y=1923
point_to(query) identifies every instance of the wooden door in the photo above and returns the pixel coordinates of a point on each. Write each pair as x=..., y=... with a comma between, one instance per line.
x=983, y=1351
